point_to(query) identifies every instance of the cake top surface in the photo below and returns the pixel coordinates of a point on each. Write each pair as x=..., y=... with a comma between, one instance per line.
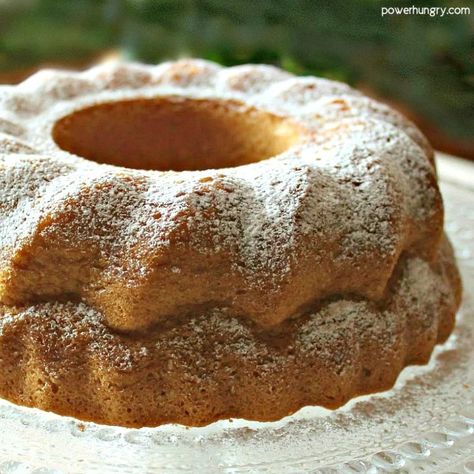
x=360, y=174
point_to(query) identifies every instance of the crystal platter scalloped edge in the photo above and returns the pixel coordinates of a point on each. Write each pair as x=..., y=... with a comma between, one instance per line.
x=424, y=424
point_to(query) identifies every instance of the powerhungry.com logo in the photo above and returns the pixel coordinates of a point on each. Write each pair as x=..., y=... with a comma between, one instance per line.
x=430, y=11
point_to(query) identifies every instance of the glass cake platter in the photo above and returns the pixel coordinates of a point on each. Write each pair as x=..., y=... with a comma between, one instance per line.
x=424, y=424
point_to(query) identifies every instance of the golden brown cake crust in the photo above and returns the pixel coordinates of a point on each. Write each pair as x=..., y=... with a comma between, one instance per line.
x=310, y=269
x=195, y=370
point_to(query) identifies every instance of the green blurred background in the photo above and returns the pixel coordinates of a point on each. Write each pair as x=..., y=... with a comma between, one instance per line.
x=423, y=65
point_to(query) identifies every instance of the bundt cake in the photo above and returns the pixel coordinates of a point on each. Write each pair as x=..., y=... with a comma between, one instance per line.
x=186, y=243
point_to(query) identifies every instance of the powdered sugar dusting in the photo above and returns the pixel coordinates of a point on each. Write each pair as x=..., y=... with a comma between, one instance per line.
x=358, y=180
x=250, y=79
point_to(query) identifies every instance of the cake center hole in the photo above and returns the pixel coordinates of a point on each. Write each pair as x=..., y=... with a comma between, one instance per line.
x=174, y=134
